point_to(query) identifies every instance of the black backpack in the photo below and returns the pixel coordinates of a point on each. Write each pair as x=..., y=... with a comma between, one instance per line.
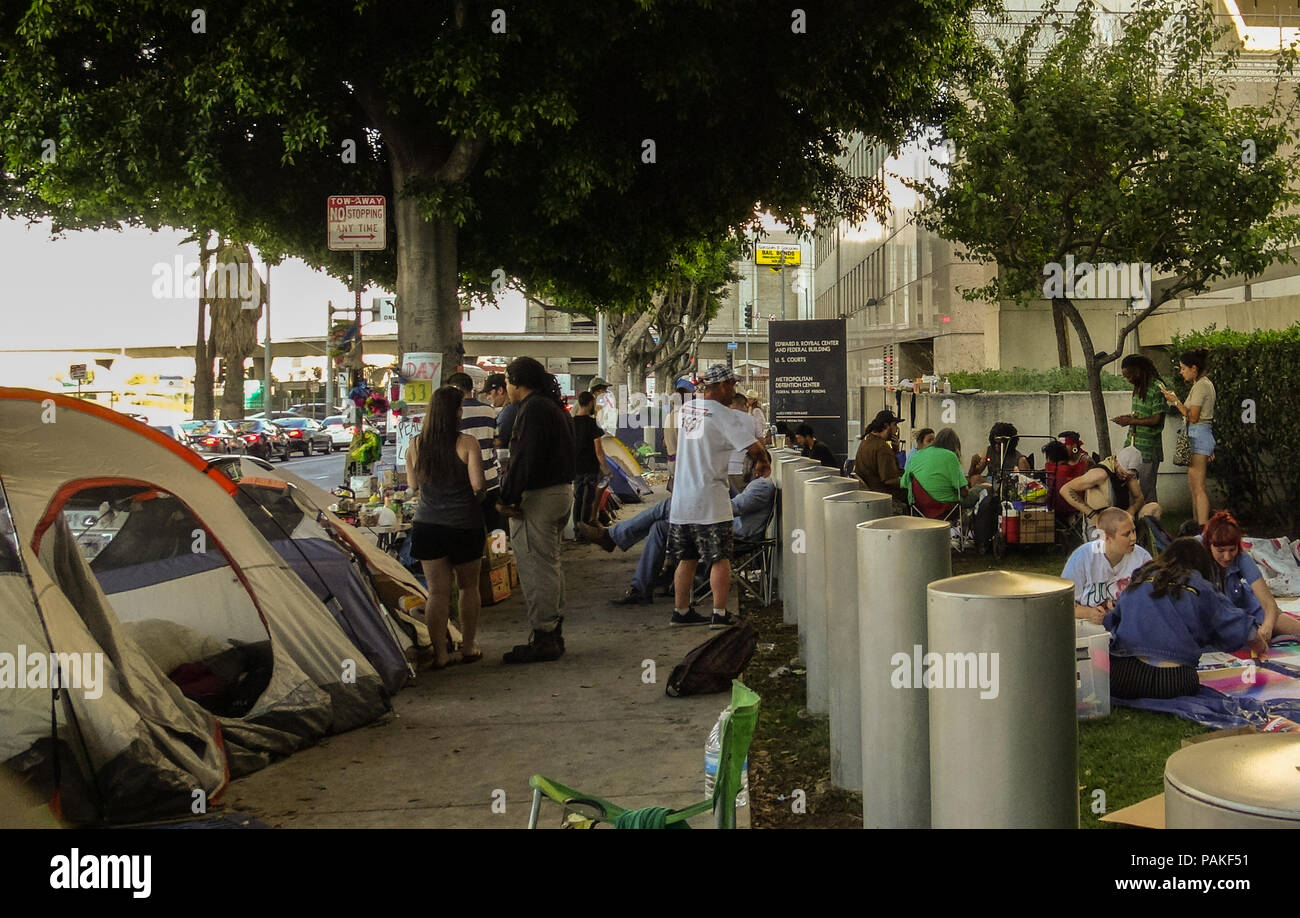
x=710, y=667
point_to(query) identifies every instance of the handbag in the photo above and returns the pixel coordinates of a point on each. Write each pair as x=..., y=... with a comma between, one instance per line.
x=1183, y=447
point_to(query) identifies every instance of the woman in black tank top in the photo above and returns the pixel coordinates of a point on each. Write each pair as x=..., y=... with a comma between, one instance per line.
x=447, y=535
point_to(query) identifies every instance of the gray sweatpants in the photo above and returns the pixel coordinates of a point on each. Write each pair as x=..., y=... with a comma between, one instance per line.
x=536, y=543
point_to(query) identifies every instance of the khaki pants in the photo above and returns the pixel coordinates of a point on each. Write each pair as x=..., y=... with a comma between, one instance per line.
x=536, y=543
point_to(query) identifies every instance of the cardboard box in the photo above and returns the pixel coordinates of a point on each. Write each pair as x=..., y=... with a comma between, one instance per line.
x=1037, y=525
x=494, y=583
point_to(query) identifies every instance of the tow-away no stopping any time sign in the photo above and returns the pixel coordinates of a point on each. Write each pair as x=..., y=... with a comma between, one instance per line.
x=357, y=222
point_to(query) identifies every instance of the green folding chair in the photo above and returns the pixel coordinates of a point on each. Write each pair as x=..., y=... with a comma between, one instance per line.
x=737, y=733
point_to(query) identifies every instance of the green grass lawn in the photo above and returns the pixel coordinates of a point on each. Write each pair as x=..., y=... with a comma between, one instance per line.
x=1122, y=755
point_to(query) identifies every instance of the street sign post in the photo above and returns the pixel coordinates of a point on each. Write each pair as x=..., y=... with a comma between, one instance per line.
x=78, y=372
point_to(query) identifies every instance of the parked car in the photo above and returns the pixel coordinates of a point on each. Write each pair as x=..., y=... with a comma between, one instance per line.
x=306, y=435
x=341, y=431
x=263, y=439
x=214, y=436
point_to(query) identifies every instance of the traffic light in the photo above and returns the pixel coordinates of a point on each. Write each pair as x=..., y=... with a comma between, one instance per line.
x=751, y=317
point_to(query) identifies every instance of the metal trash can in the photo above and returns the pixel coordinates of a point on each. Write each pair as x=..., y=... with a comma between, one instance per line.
x=812, y=614
x=1004, y=753
x=898, y=556
x=1235, y=782
x=843, y=512
x=782, y=471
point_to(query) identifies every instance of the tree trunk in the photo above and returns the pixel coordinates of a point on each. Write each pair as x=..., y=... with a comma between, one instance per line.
x=1094, y=362
x=428, y=302
x=204, y=405
x=1062, y=339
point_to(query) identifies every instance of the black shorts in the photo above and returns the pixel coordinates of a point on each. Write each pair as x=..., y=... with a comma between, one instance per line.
x=430, y=542
x=707, y=542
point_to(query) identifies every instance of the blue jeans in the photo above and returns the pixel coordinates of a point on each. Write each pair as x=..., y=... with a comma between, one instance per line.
x=652, y=526
x=1202, y=437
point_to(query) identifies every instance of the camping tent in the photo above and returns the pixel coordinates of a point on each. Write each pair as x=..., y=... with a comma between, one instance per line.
x=625, y=481
x=358, y=582
x=124, y=547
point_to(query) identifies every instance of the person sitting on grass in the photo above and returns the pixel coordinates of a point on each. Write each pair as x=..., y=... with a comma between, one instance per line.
x=1102, y=568
x=1170, y=614
x=751, y=507
x=1240, y=579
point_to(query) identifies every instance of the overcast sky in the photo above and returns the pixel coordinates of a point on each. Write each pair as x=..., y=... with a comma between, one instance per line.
x=96, y=289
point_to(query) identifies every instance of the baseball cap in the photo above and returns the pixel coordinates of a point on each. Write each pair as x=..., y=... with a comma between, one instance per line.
x=494, y=381
x=885, y=416
x=596, y=383
x=752, y=395
x=1130, y=457
x=684, y=383
x=718, y=373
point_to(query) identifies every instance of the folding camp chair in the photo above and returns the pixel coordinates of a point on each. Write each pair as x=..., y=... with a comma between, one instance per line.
x=923, y=505
x=737, y=733
x=753, y=565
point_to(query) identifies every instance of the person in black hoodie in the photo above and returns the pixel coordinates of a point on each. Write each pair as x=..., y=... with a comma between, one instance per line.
x=537, y=496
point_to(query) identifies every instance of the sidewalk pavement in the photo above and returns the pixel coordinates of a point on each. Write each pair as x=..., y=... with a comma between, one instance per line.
x=459, y=737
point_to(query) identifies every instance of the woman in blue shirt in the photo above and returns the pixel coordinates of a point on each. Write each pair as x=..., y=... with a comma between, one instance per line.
x=1170, y=614
x=1240, y=577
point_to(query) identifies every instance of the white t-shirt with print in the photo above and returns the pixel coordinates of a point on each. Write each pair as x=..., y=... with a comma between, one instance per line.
x=710, y=433
x=1095, y=581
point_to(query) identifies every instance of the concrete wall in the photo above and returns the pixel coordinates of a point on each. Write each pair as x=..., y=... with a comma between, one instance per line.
x=1272, y=313
x=1037, y=415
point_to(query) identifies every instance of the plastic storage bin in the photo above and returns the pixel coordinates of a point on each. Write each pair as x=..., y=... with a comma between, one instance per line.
x=1092, y=670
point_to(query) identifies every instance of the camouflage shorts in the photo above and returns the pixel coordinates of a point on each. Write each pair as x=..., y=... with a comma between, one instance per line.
x=707, y=542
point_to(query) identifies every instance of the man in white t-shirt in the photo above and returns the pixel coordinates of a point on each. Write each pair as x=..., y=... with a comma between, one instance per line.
x=699, y=523
x=736, y=465
x=1102, y=568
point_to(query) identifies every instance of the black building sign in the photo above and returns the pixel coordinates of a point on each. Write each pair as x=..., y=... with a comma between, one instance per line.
x=809, y=367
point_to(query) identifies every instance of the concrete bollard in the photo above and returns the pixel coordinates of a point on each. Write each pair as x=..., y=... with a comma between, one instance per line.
x=898, y=556
x=1003, y=751
x=1236, y=782
x=793, y=521
x=781, y=462
x=842, y=514
x=812, y=608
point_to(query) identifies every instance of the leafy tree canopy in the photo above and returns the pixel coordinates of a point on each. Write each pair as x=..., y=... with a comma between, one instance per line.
x=583, y=147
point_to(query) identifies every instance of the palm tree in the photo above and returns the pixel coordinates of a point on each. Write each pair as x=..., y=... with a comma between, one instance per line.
x=234, y=323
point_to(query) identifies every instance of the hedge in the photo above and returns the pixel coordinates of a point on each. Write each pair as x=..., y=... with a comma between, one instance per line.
x=1256, y=378
x=1019, y=379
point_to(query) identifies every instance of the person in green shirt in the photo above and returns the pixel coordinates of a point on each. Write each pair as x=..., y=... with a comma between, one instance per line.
x=1146, y=420
x=938, y=470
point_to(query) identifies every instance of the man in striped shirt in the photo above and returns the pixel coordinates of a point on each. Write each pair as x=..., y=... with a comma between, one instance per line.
x=479, y=421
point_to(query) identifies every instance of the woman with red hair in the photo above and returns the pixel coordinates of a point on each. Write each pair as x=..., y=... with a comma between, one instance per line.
x=1240, y=579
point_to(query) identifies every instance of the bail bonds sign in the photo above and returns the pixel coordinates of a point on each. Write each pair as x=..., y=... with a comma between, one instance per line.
x=809, y=361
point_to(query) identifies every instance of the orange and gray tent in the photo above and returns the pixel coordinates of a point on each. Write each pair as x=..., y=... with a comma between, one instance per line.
x=121, y=547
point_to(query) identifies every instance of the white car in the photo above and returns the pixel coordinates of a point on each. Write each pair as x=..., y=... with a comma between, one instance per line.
x=340, y=431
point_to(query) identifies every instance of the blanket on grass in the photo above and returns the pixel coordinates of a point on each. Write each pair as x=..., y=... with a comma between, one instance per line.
x=1237, y=691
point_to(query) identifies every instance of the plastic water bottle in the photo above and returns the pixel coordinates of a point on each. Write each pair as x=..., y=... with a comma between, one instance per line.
x=712, y=752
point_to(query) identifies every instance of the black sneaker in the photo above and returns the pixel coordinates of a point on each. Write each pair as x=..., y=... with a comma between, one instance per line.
x=725, y=620
x=542, y=647
x=690, y=618
x=597, y=535
x=633, y=598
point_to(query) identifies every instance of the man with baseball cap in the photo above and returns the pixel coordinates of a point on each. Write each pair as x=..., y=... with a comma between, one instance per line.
x=877, y=460
x=699, y=523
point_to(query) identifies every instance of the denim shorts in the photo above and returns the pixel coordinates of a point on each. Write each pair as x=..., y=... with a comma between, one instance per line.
x=1202, y=437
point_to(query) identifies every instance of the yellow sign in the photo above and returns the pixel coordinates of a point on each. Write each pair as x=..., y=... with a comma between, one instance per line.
x=771, y=255
x=416, y=393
